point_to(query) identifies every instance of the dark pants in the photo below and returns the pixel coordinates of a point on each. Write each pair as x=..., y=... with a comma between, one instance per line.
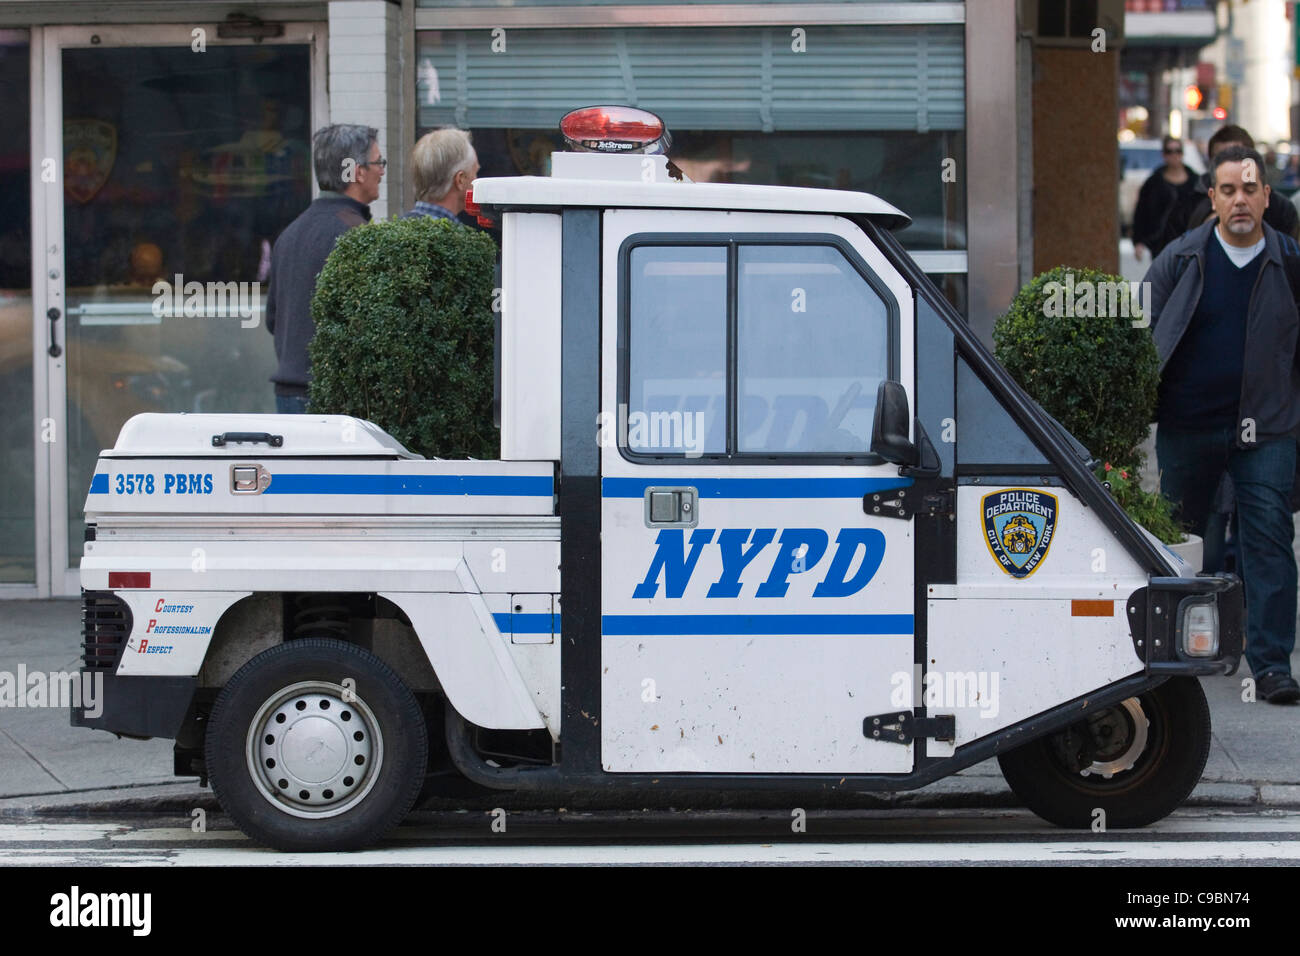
x=291, y=404
x=1190, y=465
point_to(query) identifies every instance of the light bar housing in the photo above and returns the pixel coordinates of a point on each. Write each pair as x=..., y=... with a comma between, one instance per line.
x=615, y=129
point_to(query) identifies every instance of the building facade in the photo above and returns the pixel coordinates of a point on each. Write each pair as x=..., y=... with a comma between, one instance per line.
x=150, y=142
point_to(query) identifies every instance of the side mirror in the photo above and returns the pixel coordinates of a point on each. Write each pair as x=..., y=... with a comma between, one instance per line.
x=889, y=429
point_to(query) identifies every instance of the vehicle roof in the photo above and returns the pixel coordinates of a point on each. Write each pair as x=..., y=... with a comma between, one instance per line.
x=522, y=192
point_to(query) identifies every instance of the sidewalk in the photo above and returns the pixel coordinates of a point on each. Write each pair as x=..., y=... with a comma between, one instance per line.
x=46, y=765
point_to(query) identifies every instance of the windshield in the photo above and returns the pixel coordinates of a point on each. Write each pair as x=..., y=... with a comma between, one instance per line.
x=1148, y=156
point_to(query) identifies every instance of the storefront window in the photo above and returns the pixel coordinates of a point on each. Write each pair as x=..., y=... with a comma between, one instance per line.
x=879, y=109
x=181, y=171
x=640, y=3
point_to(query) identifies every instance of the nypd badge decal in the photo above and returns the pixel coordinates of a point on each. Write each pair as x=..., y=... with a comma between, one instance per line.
x=1019, y=524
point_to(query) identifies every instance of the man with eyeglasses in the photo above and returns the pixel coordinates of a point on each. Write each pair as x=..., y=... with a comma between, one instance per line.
x=349, y=169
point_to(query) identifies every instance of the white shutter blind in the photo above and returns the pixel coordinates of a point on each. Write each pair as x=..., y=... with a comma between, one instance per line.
x=749, y=78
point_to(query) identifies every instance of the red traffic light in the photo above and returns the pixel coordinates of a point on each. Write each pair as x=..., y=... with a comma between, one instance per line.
x=1193, y=97
x=1220, y=113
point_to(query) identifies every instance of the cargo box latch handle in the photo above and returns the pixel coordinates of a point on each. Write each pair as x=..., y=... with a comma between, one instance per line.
x=275, y=441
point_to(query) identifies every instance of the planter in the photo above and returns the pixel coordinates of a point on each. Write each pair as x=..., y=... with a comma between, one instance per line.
x=1192, y=550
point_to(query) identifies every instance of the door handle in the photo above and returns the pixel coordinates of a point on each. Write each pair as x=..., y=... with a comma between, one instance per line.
x=220, y=441
x=55, y=349
x=676, y=507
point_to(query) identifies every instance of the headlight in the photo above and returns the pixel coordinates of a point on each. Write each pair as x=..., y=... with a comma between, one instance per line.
x=1198, y=627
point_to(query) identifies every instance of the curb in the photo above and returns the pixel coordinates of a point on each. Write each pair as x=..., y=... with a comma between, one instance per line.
x=176, y=798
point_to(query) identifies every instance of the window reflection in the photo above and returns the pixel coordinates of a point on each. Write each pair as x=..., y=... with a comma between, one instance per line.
x=177, y=165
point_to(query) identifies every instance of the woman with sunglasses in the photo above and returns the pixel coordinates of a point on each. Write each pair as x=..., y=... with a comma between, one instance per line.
x=1155, y=223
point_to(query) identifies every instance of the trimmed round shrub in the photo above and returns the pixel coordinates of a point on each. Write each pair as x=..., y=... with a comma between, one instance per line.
x=1075, y=340
x=404, y=335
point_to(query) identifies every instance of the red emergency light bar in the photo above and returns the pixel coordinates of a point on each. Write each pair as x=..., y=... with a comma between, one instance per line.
x=615, y=129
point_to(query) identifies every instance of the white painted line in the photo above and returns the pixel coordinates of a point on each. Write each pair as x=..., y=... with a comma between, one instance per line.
x=70, y=832
x=1072, y=853
x=177, y=835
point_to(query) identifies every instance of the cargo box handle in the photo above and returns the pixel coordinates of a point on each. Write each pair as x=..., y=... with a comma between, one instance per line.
x=275, y=441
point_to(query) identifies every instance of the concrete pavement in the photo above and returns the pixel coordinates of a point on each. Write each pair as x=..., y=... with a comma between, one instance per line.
x=46, y=765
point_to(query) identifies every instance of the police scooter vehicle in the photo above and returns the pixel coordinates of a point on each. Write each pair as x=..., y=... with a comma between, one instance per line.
x=767, y=515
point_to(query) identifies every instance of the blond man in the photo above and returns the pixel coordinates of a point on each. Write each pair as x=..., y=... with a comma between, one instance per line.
x=444, y=165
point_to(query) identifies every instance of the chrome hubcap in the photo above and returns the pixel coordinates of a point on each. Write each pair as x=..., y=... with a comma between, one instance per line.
x=311, y=752
x=1121, y=733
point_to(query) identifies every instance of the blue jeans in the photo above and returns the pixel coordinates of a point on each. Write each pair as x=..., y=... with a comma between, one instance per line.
x=291, y=404
x=1190, y=465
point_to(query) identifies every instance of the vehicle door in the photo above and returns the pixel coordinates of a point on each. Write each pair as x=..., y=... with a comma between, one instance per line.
x=757, y=599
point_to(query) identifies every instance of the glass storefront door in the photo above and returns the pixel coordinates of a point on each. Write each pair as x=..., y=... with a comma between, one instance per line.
x=18, y=427
x=180, y=169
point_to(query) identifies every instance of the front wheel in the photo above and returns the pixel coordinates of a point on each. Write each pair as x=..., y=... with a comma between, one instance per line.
x=316, y=744
x=1136, y=761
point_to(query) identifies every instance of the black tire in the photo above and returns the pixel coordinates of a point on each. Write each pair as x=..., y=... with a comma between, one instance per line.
x=1149, y=778
x=296, y=789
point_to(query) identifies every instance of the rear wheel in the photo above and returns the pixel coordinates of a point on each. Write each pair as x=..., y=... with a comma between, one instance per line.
x=316, y=744
x=1136, y=760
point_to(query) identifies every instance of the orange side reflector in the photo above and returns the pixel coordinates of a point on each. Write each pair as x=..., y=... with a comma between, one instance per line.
x=1092, y=608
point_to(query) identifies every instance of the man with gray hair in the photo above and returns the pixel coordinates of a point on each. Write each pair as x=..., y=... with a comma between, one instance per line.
x=349, y=169
x=445, y=165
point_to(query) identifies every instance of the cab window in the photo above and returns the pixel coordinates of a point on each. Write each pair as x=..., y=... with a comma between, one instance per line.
x=812, y=347
x=677, y=348
x=750, y=350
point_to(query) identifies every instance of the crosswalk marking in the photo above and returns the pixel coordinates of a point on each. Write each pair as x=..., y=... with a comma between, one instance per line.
x=784, y=853
x=995, y=837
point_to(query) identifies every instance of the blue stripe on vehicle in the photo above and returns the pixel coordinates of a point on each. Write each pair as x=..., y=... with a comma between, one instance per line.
x=633, y=625
x=449, y=485
x=525, y=623
x=754, y=487
x=99, y=484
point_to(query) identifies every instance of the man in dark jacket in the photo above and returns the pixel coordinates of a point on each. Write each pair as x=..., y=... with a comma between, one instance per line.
x=1225, y=325
x=1279, y=213
x=349, y=170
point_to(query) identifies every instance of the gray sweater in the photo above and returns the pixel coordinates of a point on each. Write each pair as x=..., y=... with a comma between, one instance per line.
x=297, y=258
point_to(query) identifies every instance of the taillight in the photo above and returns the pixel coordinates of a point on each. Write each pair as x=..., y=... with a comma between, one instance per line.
x=476, y=211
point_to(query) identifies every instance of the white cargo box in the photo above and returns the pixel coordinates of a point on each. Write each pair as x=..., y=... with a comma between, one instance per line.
x=242, y=465
x=231, y=435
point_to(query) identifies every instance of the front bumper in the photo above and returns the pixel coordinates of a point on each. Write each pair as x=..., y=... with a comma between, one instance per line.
x=1154, y=615
x=132, y=706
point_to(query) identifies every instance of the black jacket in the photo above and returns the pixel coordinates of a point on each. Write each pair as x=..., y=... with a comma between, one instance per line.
x=1280, y=214
x=297, y=258
x=1161, y=213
